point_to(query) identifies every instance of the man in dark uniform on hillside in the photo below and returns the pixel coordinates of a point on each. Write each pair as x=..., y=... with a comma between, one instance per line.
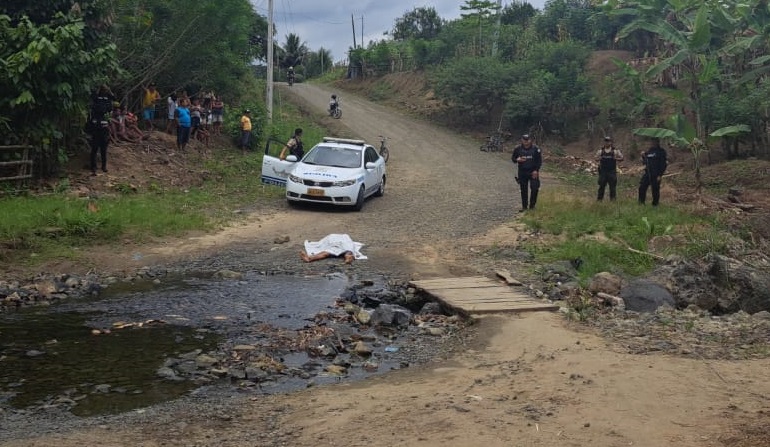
x=529, y=159
x=608, y=157
x=97, y=125
x=655, y=163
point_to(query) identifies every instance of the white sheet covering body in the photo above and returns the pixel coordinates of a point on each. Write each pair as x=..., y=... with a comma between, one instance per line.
x=335, y=244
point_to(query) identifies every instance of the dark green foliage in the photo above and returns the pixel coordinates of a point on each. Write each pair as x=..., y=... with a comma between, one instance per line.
x=419, y=23
x=47, y=71
x=317, y=63
x=473, y=85
x=177, y=43
x=518, y=13
x=548, y=86
x=565, y=19
x=54, y=53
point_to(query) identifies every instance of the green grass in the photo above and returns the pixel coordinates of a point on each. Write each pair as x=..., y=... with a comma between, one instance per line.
x=614, y=236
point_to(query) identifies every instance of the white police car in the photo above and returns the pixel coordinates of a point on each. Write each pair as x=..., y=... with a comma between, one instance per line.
x=336, y=171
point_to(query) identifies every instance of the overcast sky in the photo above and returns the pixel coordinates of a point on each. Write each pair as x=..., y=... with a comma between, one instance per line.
x=327, y=23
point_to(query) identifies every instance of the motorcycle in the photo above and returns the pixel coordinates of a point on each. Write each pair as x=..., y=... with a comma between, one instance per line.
x=335, y=111
x=290, y=80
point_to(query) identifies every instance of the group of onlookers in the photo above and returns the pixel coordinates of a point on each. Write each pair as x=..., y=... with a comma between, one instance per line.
x=196, y=117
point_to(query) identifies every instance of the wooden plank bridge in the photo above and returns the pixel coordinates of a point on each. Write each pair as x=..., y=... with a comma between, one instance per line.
x=479, y=294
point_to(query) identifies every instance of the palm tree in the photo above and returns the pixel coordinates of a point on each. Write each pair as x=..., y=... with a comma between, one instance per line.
x=294, y=52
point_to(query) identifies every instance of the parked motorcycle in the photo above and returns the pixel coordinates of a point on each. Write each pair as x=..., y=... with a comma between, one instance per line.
x=335, y=111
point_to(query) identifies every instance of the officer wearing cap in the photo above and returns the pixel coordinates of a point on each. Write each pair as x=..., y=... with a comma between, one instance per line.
x=655, y=162
x=608, y=157
x=529, y=159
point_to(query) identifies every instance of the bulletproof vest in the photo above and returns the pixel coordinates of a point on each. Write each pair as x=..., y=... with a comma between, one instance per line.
x=298, y=150
x=607, y=162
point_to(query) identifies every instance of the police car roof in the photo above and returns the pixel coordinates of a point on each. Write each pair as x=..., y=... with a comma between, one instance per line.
x=344, y=141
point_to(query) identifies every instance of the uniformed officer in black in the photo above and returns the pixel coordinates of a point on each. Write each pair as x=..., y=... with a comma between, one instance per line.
x=529, y=160
x=655, y=163
x=608, y=157
x=97, y=126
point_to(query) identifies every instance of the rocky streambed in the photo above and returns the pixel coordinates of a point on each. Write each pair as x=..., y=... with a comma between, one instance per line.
x=90, y=345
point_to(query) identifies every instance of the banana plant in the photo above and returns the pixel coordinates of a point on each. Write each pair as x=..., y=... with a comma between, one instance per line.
x=681, y=133
x=690, y=29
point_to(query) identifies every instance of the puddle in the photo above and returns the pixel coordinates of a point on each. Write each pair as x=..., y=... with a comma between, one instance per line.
x=49, y=356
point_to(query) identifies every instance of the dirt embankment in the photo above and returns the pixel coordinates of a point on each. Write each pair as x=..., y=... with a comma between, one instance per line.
x=528, y=380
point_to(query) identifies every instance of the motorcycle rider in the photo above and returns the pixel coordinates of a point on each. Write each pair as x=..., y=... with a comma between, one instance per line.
x=290, y=75
x=333, y=104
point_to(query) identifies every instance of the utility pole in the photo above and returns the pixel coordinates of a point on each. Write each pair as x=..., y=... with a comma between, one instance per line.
x=363, y=44
x=497, y=27
x=269, y=61
x=353, y=22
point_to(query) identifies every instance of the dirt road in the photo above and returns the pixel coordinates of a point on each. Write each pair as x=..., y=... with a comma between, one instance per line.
x=530, y=380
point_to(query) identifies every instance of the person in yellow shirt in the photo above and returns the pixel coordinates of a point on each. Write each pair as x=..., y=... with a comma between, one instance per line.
x=245, y=130
x=150, y=97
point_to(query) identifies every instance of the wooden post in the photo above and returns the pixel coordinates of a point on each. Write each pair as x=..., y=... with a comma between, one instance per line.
x=16, y=164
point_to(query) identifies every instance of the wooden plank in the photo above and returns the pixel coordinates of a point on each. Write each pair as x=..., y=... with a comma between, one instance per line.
x=550, y=308
x=479, y=294
x=455, y=283
x=510, y=280
x=499, y=291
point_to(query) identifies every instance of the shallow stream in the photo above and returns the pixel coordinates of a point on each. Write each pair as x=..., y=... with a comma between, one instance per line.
x=103, y=353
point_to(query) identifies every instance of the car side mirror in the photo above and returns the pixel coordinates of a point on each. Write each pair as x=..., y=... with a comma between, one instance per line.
x=291, y=158
x=370, y=165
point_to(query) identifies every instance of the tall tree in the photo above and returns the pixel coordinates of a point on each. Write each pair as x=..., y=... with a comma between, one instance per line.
x=482, y=11
x=206, y=43
x=518, y=12
x=419, y=23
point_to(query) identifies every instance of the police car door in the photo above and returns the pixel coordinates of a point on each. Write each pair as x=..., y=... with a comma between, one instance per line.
x=274, y=170
x=373, y=176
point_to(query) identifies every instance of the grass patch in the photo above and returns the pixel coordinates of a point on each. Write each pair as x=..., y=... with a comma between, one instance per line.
x=379, y=92
x=616, y=236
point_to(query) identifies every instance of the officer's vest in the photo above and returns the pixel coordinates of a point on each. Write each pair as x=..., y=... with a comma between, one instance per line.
x=607, y=162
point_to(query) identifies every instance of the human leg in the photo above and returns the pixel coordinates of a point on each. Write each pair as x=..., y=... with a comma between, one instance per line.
x=103, y=154
x=534, y=186
x=644, y=183
x=245, y=137
x=94, y=150
x=655, y=184
x=185, y=136
x=524, y=188
x=612, y=180
x=148, y=113
x=318, y=256
x=602, y=185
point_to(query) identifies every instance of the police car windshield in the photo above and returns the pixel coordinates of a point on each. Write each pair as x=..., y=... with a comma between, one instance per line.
x=338, y=157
